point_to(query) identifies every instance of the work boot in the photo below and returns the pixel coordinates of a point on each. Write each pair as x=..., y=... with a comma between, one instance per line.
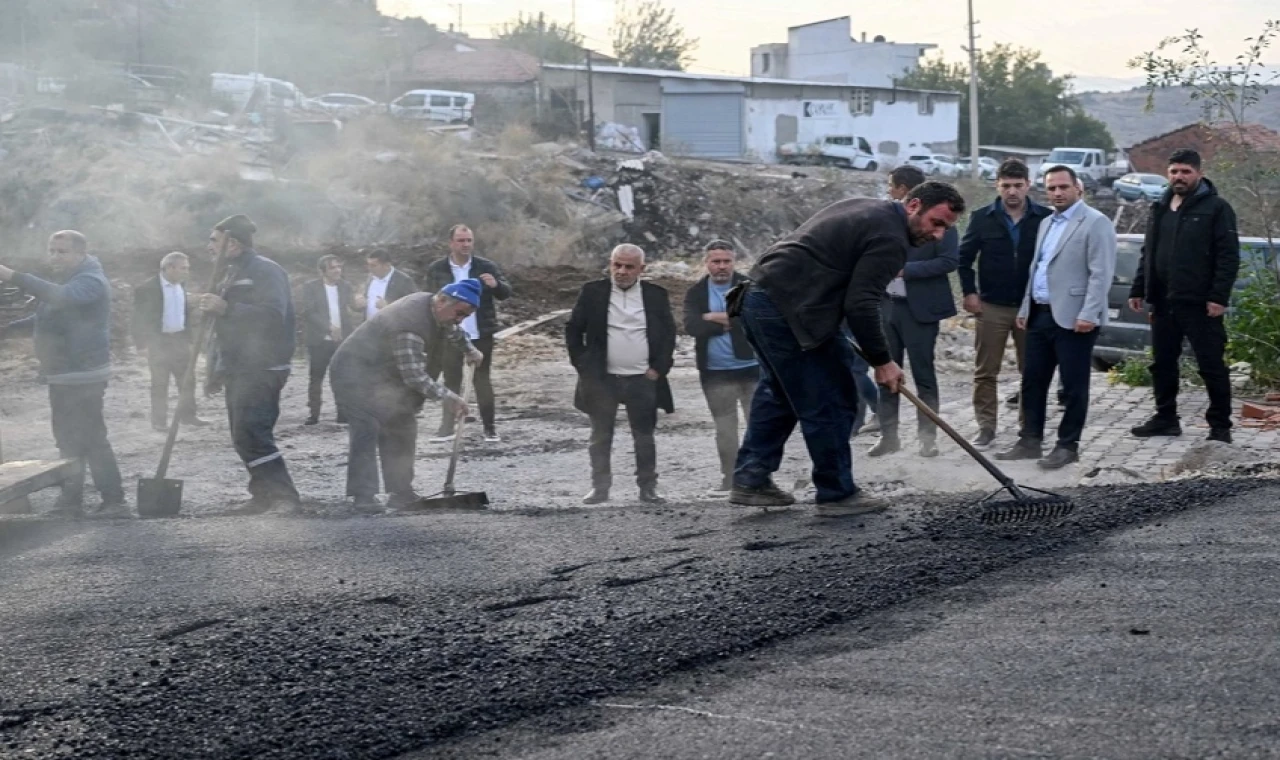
x=650, y=495
x=857, y=504
x=985, y=438
x=1157, y=426
x=596, y=496
x=1060, y=457
x=887, y=445
x=768, y=495
x=1220, y=434
x=928, y=449
x=254, y=505
x=367, y=505
x=1025, y=448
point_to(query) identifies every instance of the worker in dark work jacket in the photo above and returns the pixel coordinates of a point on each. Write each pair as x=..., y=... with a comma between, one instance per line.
x=1190, y=261
x=250, y=357
x=380, y=379
x=833, y=270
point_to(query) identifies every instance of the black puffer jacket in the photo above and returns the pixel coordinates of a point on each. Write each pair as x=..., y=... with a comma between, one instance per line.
x=1206, y=251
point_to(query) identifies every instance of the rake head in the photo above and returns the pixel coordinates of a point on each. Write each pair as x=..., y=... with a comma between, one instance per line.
x=1044, y=506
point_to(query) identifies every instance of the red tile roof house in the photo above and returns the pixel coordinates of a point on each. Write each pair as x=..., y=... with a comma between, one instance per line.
x=504, y=81
x=1152, y=155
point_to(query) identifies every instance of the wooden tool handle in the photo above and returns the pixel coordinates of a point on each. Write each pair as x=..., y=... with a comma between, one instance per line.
x=457, y=435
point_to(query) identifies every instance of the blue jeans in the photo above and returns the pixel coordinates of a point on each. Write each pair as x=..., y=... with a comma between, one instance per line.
x=868, y=391
x=814, y=388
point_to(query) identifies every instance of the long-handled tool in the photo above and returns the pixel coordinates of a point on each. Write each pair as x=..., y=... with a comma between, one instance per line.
x=1023, y=507
x=449, y=497
x=161, y=496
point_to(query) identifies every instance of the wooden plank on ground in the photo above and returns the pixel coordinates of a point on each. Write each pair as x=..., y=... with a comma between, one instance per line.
x=529, y=324
x=18, y=479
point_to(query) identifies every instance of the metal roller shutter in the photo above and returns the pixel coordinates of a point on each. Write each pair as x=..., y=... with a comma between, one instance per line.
x=703, y=125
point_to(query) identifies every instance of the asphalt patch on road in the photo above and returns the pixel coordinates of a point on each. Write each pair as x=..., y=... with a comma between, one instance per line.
x=378, y=680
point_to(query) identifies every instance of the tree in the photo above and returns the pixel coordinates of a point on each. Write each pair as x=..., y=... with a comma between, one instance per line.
x=551, y=42
x=646, y=35
x=1020, y=101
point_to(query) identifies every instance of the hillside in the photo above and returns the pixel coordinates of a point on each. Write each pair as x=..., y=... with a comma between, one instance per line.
x=1125, y=115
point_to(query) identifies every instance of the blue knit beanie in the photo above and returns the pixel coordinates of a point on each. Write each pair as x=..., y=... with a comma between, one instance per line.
x=467, y=291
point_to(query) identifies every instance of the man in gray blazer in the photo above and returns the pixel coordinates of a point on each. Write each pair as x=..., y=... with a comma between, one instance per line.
x=1062, y=311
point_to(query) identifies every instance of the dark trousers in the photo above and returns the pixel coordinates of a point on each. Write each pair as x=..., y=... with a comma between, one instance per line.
x=319, y=356
x=80, y=432
x=868, y=391
x=912, y=341
x=253, y=406
x=726, y=391
x=452, y=362
x=1051, y=347
x=814, y=388
x=1170, y=325
x=168, y=355
x=382, y=425
x=639, y=395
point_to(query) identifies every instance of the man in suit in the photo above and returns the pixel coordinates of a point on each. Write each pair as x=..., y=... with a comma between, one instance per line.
x=1001, y=242
x=912, y=306
x=461, y=264
x=727, y=366
x=621, y=338
x=1190, y=261
x=1064, y=307
x=327, y=318
x=161, y=329
x=385, y=285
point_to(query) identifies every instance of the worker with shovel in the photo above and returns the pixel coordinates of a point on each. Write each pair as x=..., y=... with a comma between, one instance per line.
x=380, y=380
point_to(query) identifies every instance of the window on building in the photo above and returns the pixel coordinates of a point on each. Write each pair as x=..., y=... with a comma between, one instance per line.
x=926, y=104
x=764, y=63
x=860, y=102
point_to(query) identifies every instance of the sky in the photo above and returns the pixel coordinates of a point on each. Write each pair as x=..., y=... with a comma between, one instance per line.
x=1092, y=39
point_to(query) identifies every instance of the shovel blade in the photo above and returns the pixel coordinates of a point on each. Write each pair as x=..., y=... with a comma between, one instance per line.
x=469, y=500
x=159, y=497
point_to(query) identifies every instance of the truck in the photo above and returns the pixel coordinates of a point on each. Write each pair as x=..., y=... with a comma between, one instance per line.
x=1089, y=164
x=848, y=151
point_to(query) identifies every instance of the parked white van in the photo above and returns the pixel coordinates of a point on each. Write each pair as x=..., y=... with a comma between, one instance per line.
x=1090, y=165
x=435, y=105
x=239, y=88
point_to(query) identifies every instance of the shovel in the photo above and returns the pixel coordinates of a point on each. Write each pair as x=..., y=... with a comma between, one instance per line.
x=449, y=498
x=161, y=496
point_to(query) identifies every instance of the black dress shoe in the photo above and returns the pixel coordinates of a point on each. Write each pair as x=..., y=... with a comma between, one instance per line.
x=984, y=439
x=1157, y=426
x=1014, y=399
x=1060, y=457
x=1025, y=448
x=885, y=446
x=1221, y=435
x=596, y=496
x=650, y=495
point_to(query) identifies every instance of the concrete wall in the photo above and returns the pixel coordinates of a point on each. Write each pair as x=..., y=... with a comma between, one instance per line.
x=826, y=53
x=778, y=57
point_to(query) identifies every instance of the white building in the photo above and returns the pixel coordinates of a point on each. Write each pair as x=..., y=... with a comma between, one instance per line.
x=824, y=51
x=749, y=118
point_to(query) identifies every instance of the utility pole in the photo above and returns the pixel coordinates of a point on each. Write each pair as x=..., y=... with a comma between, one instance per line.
x=257, y=35
x=591, y=106
x=140, y=61
x=975, y=169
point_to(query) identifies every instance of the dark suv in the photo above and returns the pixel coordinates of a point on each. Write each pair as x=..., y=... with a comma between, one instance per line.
x=1128, y=333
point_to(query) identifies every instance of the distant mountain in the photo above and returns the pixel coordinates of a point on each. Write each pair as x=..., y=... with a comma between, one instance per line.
x=1126, y=116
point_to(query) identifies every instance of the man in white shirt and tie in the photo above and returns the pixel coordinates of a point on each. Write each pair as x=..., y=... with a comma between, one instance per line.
x=327, y=315
x=160, y=329
x=1064, y=307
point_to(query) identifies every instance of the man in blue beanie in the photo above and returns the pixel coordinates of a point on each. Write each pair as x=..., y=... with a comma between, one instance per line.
x=72, y=325
x=380, y=380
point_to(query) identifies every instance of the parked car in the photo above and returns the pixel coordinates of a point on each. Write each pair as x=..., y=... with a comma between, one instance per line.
x=343, y=105
x=435, y=105
x=239, y=90
x=849, y=151
x=934, y=164
x=1140, y=187
x=987, y=167
x=1128, y=333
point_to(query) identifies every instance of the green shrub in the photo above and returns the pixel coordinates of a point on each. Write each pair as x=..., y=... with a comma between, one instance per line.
x=1135, y=371
x=1253, y=329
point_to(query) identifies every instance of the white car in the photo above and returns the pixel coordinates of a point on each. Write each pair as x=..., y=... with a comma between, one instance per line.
x=344, y=105
x=987, y=167
x=934, y=164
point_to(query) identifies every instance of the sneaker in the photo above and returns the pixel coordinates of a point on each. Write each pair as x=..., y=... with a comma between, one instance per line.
x=441, y=438
x=491, y=436
x=850, y=506
x=985, y=438
x=885, y=446
x=596, y=496
x=768, y=495
x=1221, y=435
x=721, y=491
x=1157, y=427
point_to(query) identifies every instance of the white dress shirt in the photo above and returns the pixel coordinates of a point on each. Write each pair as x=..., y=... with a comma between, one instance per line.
x=469, y=325
x=628, y=332
x=173, y=319
x=377, y=289
x=1049, y=251
x=335, y=306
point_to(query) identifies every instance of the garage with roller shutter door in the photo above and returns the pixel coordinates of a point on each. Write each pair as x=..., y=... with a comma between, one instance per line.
x=701, y=121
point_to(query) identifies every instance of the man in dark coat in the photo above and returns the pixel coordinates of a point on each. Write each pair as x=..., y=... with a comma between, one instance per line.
x=385, y=284
x=162, y=329
x=251, y=358
x=727, y=366
x=833, y=270
x=72, y=325
x=1190, y=261
x=328, y=317
x=461, y=264
x=379, y=377
x=621, y=338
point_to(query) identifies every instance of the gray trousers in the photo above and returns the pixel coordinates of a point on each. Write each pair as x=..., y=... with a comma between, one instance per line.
x=913, y=341
x=727, y=391
x=382, y=427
